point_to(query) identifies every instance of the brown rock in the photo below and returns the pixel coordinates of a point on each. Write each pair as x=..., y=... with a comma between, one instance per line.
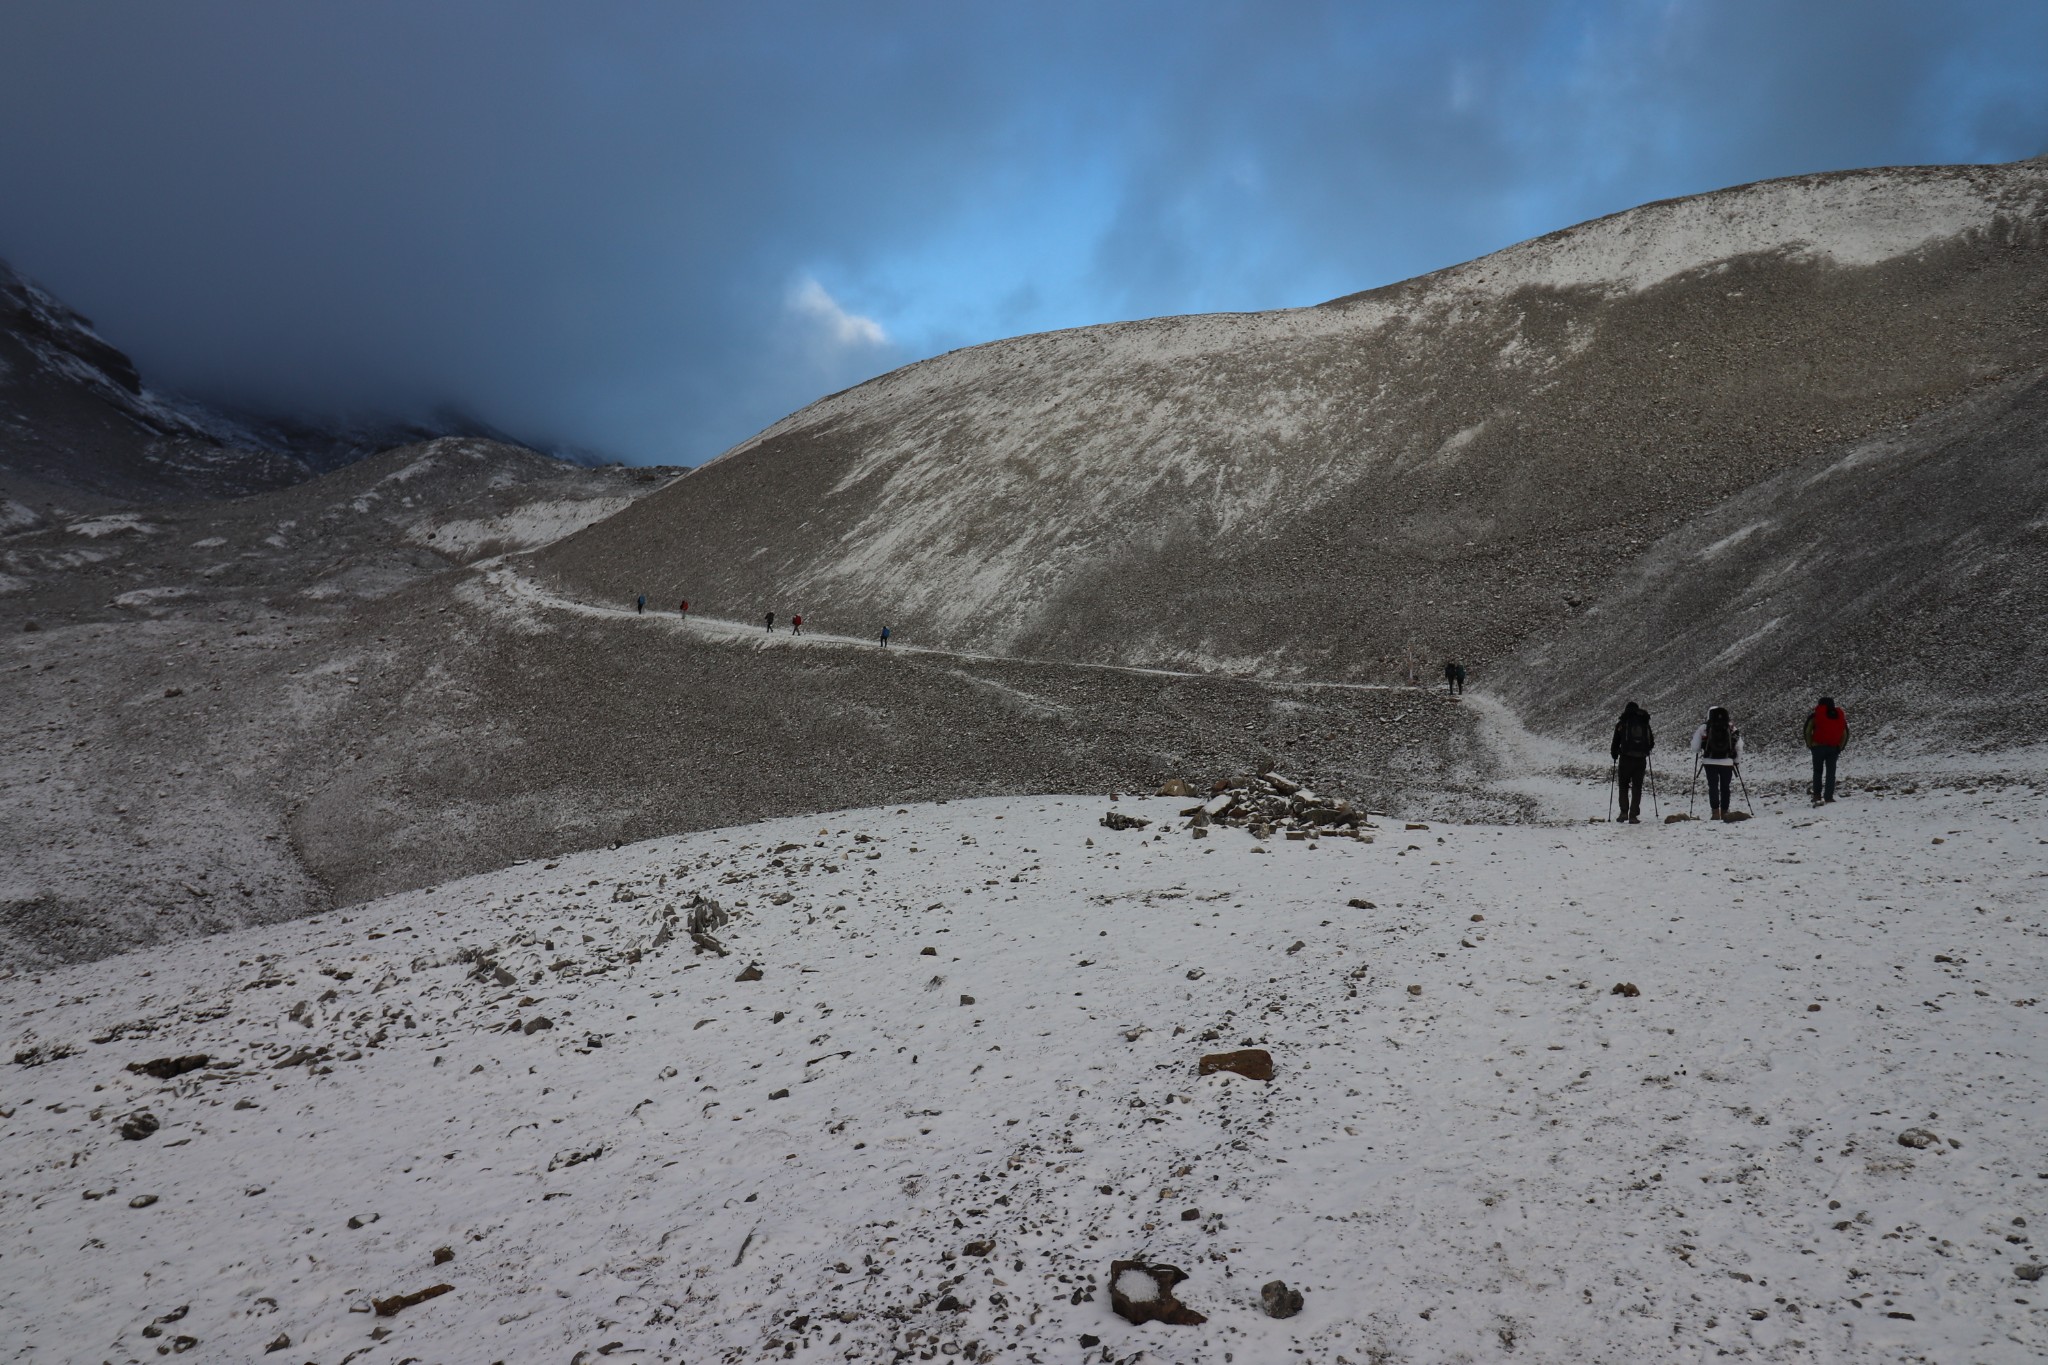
x=1360, y=903
x=1253, y=1063
x=752, y=973
x=978, y=1249
x=139, y=1125
x=1177, y=787
x=1140, y=1293
x=1278, y=1300
x=443, y=1255
x=398, y=1303
x=164, y=1068
x=1627, y=988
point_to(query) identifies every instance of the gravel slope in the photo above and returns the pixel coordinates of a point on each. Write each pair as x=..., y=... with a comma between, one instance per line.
x=1455, y=465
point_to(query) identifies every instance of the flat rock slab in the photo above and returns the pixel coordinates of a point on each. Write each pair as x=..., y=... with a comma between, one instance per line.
x=1254, y=1063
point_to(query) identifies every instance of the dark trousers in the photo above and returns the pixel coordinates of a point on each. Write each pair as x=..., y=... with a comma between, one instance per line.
x=1824, y=756
x=1720, y=776
x=1628, y=775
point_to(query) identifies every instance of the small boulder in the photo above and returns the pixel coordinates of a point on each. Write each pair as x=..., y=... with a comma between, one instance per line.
x=978, y=1249
x=1678, y=819
x=1627, y=988
x=1176, y=786
x=398, y=1303
x=139, y=1125
x=1919, y=1138
x=1253, y=1063
x=164, y=1068
x=1140, y=1292
x=1278, y=1300
x=751, y=973
x=1116, y=819
x=536, y=1024
x=1360, y=903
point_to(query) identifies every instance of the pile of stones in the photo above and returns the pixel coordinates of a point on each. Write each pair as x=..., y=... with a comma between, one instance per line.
x=1269, y=804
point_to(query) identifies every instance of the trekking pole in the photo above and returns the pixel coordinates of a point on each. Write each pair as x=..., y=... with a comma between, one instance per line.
x=1655, y=812
x=1745, y=790
x=1692, y=787
x=1613, y=769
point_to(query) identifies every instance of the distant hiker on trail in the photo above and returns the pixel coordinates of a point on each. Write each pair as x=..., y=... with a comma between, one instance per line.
x=1827, y=730
x=1631, y=754
x=771, y=621
x=684, y=609
x=1460, y=679
x=885, y=637
x=1450, y=678
x=1718, y=746
x=796, y=625
x=641, y=605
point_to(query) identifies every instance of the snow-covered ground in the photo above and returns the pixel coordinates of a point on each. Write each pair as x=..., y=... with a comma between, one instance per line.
x=965, y=1082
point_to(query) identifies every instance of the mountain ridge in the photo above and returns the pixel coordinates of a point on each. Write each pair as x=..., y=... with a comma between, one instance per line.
x=1450, y=465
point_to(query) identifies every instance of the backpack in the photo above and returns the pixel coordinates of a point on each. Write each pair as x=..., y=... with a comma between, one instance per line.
x=1720, y=740
x=1635, y=734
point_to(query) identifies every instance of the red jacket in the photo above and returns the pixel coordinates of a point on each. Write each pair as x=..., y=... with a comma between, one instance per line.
x=1827, y=732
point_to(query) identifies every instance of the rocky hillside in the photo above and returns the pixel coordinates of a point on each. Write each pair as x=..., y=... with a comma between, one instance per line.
x=1907, y=575
x=1459, y=464
x=74, y=415
x=181, y=677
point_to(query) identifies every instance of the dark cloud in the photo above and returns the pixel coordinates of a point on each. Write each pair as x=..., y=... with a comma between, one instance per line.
x=653, y=229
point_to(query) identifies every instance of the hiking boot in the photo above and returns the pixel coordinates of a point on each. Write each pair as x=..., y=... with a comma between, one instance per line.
x=1633, y=820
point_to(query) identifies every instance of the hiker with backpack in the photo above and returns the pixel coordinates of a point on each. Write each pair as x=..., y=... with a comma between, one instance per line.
x=1460, y=678
x=1450, y=678
x=1827, y=731
x=640, y=606
x=796, y=625
x=885, y=637
x=771, y=623
x=1717, y=745
x=1630, y=751
x=684, y=609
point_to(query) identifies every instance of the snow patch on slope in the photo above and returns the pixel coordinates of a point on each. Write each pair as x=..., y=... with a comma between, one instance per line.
x=1469, y=1137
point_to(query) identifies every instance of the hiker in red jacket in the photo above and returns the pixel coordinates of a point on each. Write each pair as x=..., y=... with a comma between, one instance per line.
x=1827, y=731
x=684, y=609
x=796, y=625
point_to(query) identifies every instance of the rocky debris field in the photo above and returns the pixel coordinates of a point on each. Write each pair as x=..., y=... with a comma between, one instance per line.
x=911, y=1082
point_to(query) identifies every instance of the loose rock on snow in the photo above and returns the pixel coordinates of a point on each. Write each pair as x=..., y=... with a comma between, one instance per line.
x=1140, y=1293
x=1254, y=1063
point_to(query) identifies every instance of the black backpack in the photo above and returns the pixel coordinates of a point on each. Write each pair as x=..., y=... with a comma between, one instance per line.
x=1635, y=734
x=1720, y=742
